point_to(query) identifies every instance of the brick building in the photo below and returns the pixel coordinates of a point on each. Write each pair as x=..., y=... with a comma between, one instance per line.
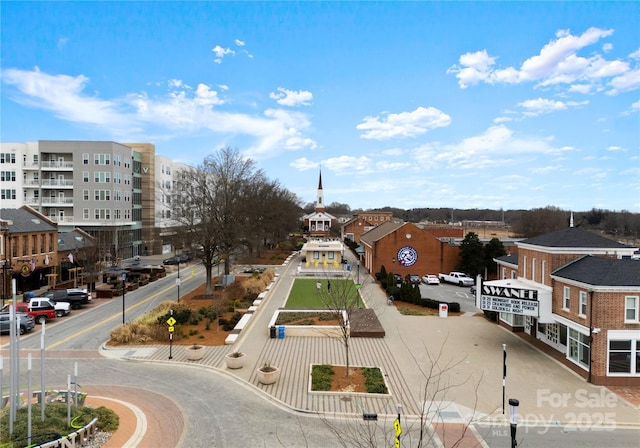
x=362, y=222
x=404, y=248
x=577, y=292
x=28, y=249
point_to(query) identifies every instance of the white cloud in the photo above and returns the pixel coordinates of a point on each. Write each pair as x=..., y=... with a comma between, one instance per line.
x=287, y=97
x=404, y=124
x=635, y=54
x=221, y=53
x=557, y=63
x=625, y=83
x=348, y=164
x=62, y=42
x=137, y=116
x=239, y=43
x=206, y=96
x=499, y=120
x=474, y=67
x=303, y=164
x=541, y=106
x=62, y=94
x=223, y=87
x=607, y=47
x=615, y=148
x=636, y=105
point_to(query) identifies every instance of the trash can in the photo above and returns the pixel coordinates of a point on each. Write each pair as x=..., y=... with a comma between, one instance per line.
x=272, y=332
x=27, y=295
x=281, y=332
x=444, y=309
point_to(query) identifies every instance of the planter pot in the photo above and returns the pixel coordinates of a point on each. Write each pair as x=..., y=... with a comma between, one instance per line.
x=235, y=362
x=194, y=353
x=268, y=377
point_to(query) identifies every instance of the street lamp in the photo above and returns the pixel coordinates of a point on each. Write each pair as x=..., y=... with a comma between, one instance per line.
x=124, y=289
x=178, y=280
x=358, y=268
x=513, y=420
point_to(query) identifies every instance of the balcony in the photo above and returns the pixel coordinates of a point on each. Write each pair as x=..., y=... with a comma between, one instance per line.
x=56, y=201
x=32, y=183
x=32, y=201
x=57, y=183
x=31, y=166
x=65, y=219
x=56, y=165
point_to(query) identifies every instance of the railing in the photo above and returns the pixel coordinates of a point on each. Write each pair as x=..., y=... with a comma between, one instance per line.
x=57, y=183
x=56, y=165
x=35, y=182
x=65, y=219
x=50, y=201
x=31, y=200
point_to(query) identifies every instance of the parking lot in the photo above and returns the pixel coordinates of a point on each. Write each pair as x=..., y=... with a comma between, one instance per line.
x=450, y=293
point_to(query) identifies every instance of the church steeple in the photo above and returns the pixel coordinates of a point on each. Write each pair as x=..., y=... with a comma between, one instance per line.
x=320, y=198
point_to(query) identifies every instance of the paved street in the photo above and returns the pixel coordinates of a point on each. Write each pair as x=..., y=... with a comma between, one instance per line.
x=468, y=351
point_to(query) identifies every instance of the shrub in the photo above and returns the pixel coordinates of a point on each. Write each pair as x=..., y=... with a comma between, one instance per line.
x=321, y=377
x=491, y=315
x=374, y=382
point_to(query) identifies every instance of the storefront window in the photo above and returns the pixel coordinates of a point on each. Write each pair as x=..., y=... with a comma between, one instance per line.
x=620, y=356
x=579, y=348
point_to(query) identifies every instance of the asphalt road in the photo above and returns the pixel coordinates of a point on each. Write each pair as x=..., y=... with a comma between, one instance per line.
x=90, y=327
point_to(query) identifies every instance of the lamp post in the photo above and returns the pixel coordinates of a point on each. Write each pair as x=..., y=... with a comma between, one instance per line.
x=513, y=420
x=358, y=268
x=178, y=280
x=124, y=289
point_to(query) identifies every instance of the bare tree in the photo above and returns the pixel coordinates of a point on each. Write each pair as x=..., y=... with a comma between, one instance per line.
x=342, y=300
x=416, y=432
x=224, y=205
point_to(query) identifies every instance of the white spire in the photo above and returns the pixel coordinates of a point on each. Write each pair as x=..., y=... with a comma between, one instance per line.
x=571, y=220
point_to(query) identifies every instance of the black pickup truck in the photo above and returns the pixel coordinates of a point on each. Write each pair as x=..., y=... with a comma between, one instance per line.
x=75, y=297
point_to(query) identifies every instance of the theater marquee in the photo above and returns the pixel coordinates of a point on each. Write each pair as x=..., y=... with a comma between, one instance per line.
x=503, y=299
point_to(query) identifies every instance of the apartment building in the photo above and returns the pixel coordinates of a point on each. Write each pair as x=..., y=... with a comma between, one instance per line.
x=575, y=292
x=93, y=185
x=117, y=192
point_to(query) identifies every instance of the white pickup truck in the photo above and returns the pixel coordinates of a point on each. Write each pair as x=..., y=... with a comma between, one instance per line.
x=457, y=278
x=61, y=308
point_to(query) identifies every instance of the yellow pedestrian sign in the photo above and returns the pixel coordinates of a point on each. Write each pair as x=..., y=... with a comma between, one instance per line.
x=171, y=329
x=171, y=321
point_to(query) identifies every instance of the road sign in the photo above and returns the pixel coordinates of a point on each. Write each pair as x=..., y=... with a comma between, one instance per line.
x=171, y=329
x=171, y=321
x=397, y=427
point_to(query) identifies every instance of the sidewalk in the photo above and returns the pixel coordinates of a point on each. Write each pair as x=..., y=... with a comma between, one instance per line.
x=463, y=386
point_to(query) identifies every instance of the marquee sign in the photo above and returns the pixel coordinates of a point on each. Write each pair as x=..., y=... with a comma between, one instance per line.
x=504, y=299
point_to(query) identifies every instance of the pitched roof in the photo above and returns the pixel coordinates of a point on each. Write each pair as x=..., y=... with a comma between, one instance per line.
x=599, y=271
x=75, y=239
x=575, y=238
x=511, y=258
x=379, y=231
x=25, y=220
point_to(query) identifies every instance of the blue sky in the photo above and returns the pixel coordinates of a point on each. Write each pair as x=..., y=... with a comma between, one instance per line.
x=419, y=104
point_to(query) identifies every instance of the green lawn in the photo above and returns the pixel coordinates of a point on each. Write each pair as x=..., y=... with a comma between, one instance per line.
x=304, y=294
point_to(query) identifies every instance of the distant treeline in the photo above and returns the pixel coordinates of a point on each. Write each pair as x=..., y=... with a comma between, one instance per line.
x=619, y=225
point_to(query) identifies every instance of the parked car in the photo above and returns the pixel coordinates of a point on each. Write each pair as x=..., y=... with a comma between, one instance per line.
x=398, y=278
x=414, y=279
x=61, y=308
x=76, y=297
x=172, y=260
x=431, y=279
x=26, y=322
x=39, y=315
